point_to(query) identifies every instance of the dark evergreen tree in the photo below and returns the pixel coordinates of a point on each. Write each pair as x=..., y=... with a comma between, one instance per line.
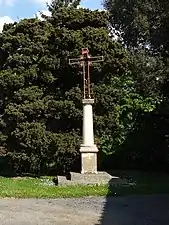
x=41, y=110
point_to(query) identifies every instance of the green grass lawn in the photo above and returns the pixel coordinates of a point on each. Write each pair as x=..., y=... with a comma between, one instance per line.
x=39, y=188
x=142, y=183
x=137, y=183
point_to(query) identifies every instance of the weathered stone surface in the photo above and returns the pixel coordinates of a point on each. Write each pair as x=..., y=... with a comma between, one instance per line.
x=89, y=159
x=87, y=179
x=88, y=101
x=88, y=149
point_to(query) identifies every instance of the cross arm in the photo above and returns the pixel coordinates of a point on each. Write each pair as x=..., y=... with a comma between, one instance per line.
x=75, y=61
x=90, y=59
x=96, y=59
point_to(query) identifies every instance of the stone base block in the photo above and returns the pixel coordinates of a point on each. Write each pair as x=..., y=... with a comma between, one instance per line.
x=88, y=179
x=88, y=159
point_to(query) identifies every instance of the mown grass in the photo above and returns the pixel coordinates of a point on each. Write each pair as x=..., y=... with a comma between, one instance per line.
x=146, y=183
x=39, y=188
x=137, y=183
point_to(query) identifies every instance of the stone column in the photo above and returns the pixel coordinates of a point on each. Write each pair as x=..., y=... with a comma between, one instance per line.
x=88, y=148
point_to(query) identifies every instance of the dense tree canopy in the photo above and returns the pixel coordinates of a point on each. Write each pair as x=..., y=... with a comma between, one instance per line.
x=41, y=110
x=141, y=22
x=143, y=27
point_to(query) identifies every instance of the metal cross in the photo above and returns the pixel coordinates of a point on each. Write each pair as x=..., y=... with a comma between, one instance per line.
x=86, y=61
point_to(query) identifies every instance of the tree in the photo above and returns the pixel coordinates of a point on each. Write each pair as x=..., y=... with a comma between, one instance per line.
x=41, y=110
x=141, y=22
x=143, y=28
x=57, y=4
x=30, y=96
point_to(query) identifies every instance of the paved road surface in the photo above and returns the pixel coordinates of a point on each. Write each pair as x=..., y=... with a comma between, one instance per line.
x=141, y=210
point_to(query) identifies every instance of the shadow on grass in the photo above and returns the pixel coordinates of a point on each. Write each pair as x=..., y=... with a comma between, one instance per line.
x=123, y=206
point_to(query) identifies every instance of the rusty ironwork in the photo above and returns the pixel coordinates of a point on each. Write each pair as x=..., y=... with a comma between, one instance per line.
x=85, y=61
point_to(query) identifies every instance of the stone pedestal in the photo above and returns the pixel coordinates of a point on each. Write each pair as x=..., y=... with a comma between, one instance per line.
x=101, y=178
x=88, y=159
x=88, y=149
x=89, y=174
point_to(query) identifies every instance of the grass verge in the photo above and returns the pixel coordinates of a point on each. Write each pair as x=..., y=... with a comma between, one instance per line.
x=42, y=188
x=137, y=183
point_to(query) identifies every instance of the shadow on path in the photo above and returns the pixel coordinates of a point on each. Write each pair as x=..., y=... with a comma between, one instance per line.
x=135, y=210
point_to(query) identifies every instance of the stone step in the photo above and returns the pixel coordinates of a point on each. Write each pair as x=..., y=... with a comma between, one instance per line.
x=88, y=179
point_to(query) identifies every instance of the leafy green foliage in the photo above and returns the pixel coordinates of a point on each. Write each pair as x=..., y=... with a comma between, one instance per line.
x=143, y=28
x=41, y=110
x=141, y=22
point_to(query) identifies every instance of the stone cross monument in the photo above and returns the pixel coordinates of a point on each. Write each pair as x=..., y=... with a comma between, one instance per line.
x=88, y=149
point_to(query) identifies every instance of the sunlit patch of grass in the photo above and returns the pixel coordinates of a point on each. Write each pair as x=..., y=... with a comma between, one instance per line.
x=38, y=188
x=135, y=183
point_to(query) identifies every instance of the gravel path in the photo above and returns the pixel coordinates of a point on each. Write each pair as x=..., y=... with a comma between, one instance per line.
x=140, y=210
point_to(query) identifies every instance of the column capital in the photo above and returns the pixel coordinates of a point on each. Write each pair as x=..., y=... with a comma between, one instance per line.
x=87, y=101
x=88, y=149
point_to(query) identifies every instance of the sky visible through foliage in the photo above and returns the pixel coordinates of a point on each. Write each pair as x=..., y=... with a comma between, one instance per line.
x=14, y=10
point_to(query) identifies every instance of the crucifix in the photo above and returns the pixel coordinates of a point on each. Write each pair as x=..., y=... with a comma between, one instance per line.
x=85, y=61
x=88, y=149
